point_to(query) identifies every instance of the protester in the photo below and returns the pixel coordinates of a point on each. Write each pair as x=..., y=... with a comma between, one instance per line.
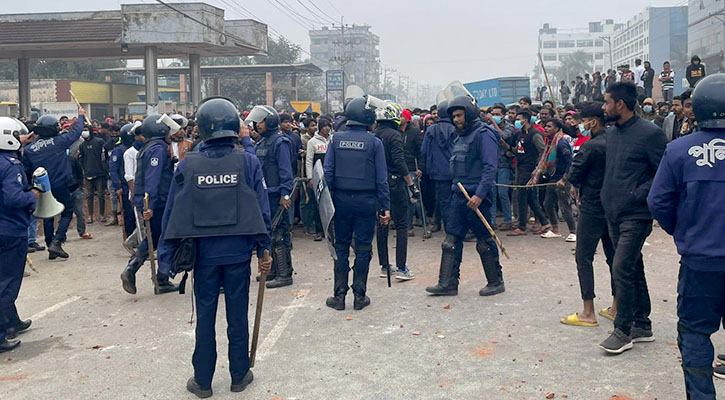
x=505, y=173
x=316, y=150
x=672, y=124
x=695, y=71
x=648, y=77
x=667, y=80
x=95, y=170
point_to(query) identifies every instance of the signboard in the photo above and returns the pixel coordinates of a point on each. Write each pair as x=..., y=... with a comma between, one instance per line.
x=486, y=92
x=335, y=79
x=59, y=109
x=499, y=90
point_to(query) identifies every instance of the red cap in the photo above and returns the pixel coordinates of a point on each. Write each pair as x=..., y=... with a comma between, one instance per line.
x=407, y=115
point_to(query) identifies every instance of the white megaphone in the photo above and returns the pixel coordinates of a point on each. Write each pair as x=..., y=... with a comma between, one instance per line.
x=48, y=206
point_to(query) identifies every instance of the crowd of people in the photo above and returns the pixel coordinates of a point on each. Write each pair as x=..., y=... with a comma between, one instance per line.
x=214, y=187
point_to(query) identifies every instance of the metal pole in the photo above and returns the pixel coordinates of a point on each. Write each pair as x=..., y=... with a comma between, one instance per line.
x=195, y=79
x=24, y=87
x=151, y=70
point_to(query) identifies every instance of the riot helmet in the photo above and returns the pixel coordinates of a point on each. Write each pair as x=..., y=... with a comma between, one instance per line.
x=10, y=131
x=126, y=135
x=47, y=126
x=442, y=108
x=217, y=118
x=708, y=102
x=154, y=126
x=466, y=103
x=181, y=120
x=359, y=113
x=391, y=112
x=263, y=113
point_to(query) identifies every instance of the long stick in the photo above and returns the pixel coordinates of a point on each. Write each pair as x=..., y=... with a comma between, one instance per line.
x=123, y=219
x=258, y=314
x=551, y=94
x=74, y=98
x=485, y=223
x=30, y=263
x=150, y=241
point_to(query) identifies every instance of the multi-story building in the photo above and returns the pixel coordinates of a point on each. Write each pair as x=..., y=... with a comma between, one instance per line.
x=705, y=33
x=656, y=34
x=555, y=45
x=353, y=49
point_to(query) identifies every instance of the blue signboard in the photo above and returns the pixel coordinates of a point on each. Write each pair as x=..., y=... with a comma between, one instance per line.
x=499, y=90
x=335, y=80
x=486, y=92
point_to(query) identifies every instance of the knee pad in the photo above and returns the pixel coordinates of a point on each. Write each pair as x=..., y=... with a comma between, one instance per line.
x=482, y=246
x=449, y=243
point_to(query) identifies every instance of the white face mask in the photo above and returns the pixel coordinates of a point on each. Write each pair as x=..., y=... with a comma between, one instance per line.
x=85, y=134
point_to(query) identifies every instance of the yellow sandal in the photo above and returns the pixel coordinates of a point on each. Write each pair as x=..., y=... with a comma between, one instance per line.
x=606, y=314
x=574, y=320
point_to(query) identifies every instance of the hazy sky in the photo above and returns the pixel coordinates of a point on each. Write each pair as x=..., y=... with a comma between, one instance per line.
x=431, y=41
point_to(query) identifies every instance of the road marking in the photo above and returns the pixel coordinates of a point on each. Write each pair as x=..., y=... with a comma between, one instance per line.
x=55, y=307
x=281, y=325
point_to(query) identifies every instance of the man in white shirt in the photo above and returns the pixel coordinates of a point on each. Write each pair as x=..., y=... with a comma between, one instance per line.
x=316, y=150
x=129, y=173
x=638, y=72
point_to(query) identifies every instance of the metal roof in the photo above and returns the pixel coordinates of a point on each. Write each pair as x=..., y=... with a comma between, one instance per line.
x=243, y=69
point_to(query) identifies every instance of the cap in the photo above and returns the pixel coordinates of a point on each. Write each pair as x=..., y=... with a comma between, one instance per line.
x=407, y=115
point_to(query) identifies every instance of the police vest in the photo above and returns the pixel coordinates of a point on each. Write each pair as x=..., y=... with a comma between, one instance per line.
x=214, y=199
x=267, y=155
x=466, y=163
x=139, y=182
x=354, y=161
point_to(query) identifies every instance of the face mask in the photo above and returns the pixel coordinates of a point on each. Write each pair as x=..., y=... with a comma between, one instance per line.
x=671, y=113
x=533, y=119
x=518, y=125
x=506, y=118
x=585, y=132
x=416, y=117
x=647, y=109
x=497, y=119
x=85, y=134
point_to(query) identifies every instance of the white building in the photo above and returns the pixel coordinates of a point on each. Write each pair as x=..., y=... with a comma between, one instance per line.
x=555, y=45
x=656, y=34
x=705, y=33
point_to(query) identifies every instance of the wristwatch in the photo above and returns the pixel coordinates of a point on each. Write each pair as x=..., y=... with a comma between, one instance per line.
x=286, y=197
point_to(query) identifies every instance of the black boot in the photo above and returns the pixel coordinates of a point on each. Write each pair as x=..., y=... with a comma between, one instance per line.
x=17, y=328
x=361, y=301
x=491, y=267
x=164, y=285
x=284, y=270
x=241, y=385
x=200, y=392
x=7, y=345
x=55, y=250
x=128, y=276
x=447, y=282
x=338, y=300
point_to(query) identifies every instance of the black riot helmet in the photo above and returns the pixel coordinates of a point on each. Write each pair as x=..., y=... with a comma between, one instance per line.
x=708, y=102
x=264, y=113
x=359, y=113
x=217, y=118
x=126, y=135
x=47, y=126
x=467, y=104
x=442, y=108
x=153, y=127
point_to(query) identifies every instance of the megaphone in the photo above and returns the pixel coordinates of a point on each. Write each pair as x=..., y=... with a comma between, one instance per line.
x=48, y=206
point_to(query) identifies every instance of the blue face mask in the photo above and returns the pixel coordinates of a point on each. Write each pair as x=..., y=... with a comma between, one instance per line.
x=497, y=119
x=585, y=132
x=533, y=119
x=648, y=108
x=518, y=125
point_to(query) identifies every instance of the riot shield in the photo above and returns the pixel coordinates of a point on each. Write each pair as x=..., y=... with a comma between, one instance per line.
x=454, y=89
x=324, y=205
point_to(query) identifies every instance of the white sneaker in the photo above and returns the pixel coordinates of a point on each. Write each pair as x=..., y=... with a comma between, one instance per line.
x=571, y=238
x=550, y=235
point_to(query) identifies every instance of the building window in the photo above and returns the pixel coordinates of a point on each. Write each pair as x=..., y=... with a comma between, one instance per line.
x=566, y=43
x=584, y=43
x=599, y=43
x=599, y=56
x=549, y=57
x=550, y=44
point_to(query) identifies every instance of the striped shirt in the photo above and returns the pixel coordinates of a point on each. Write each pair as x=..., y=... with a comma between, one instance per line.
x=669, y=80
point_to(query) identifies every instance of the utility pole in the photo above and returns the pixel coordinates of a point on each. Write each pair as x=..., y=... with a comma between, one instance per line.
x=385, y=78
x=608, y=39
x=341, y=60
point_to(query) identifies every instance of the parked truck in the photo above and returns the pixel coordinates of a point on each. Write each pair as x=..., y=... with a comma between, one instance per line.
x=499, y=90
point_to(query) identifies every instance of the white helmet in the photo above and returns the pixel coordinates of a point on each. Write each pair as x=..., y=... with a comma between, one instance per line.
x=10, y=131
x=180, y=119
x=391, y=112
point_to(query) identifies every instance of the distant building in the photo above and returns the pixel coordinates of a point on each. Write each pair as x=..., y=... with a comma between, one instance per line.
x=360, y=58
x=656, y=34
x=555, y=45
x=705, y=33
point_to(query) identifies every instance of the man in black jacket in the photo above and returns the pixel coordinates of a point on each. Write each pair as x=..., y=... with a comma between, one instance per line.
x=399, y=180
x=634, y=151
x=412, y=144
x=95, y=171
x=587, y=175
x=695, y=71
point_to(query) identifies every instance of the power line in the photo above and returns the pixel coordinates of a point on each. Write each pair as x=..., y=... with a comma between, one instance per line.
x=322, y=11
x=297, y=13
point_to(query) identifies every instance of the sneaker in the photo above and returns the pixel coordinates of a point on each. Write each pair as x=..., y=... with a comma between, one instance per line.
x=641, y=335
x=617, y=343
x=404, y=274
x=384, y=271
x=319, y=237
x=549, y=234
x=571, y=238
x=719, y=372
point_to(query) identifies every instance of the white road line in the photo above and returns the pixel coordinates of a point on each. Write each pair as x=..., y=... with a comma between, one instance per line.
x=54, y=307
x=281, y=325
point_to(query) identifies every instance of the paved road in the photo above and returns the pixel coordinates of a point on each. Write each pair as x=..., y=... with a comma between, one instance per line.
x=92, y=340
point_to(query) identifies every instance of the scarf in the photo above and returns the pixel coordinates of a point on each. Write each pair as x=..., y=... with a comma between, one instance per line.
x=547, y=161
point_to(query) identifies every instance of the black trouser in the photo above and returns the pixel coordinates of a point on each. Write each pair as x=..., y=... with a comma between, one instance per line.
x=61, y=193
x=556, y=194
x=96, y=187
x=13, y=251
x=527, y=198
x=633, y=303
x=591, y=229
x=155, y=222
x=399, y=202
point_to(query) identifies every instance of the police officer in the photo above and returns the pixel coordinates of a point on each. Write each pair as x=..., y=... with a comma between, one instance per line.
x=357, y=175
x=686, y=199
x=153, y=176
x=116, y=170
x=17, y=204
x=473, y=163
x=218, y=197
x=274, y=153
x=437, y=148
x=388, y=119
x=49, y=151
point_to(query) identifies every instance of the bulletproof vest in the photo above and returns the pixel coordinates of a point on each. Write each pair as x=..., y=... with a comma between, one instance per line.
x=466, y=162
x=268, y=158
x=527, y=154
x=139, y=182
x=214, y=199
x=354, y=160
